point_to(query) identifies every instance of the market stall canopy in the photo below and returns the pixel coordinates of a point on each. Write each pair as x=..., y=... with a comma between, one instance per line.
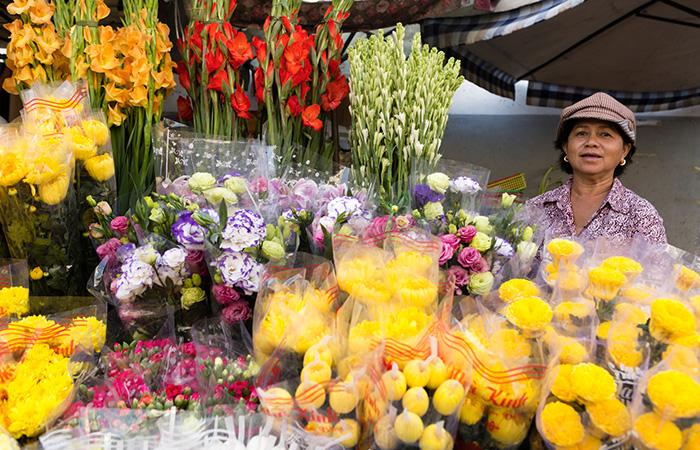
x=646, y=53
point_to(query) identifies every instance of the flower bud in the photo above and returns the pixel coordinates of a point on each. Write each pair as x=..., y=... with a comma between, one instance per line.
x=91, y=201
x=157, y=215
x=452, y=229
x=196, y=279
x=507, y=200
x=149, y=202
x=527, y=233
x=272, y=250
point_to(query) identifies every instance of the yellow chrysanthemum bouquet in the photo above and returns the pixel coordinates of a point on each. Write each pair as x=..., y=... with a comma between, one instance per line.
x=38, y=209
x=14, y=291
x=666, y=409
x=506, y=360
x=38, y=365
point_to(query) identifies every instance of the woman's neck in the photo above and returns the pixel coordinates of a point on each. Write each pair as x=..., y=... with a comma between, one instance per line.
x=584, y=187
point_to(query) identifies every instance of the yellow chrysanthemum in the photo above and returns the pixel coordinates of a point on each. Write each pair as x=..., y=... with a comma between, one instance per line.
x=564, y=251
x=687, y=279
x=572, y=315
x=610, y=416
x=631, y=314
x=96, y=130
x=38, y=328
x=83, y=147
x=634, y=294
x=588, y=443
x=372, y=292
x=691, y=437
x=56, y=189
x=689, y=341
x=683, y=359
x=604, y=283
x=572, y=352
x=44, y=169
x=408, y=323
x=657, y=433
x=670, y=318
x=674, y=393
x=592, y=383
x=561, y=424
x=416, y=263
x=695, y=303
x=417, y=291
x=88, y=332
x=562, y=384
x=629, y=267
x=364, y=336
x=516, y=288
x=509, y=343
x=624, y=351
x=530, y=314
x=14, y=301
x=269, y=335
x=506, y=428
x=100, y=167
x=472, y=410
x=315, y=328
x=12, y=169
x=603, y=330
x=353, y=271
x=40, y=383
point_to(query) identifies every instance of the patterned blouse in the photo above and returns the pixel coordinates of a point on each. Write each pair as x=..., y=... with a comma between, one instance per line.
x=622, y=215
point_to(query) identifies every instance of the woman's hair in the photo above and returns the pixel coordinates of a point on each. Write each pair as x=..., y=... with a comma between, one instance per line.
x=564, y=136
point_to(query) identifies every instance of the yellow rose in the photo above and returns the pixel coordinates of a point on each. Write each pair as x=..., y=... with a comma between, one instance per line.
x=36, y=273
x=55, y=190
x=100, y=168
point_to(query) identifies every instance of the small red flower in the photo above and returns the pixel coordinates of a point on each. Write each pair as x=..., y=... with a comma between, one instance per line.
x=310, y=117
x=293, y=106
x=214, y=60
x=184, y=75
x=215, y=82
x=260, y=49
x=335, y=93
x=287, y=24
x=259, y=85
x=240, y=102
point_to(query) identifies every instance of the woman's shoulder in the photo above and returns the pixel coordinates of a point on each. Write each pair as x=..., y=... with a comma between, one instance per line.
x=642, y=214
x=635, y=203
x=562, y=192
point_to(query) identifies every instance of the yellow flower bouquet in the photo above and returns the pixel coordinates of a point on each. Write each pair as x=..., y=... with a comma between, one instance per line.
x=14, y=292
x=38, y=210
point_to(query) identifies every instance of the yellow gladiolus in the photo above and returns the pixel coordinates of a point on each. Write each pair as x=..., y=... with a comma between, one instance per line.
x=115, y=116
x=100, y=168
x=102, y=11
x=139, y=96
x=56, y=189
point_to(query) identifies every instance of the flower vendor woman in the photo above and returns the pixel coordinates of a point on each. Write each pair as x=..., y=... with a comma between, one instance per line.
x=596, y=137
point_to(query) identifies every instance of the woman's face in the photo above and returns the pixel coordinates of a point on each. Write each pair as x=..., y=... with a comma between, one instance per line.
x=594, y=148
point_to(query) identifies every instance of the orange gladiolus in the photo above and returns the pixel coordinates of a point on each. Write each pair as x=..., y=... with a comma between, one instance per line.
x=39, y=74
x=22, y=35
x=107, y=34
x=18, y=7
x=115, y=116
x=67, y=47
x=48, y=42
x=81, y=66
x=138, y=96
x=24, y=56
x=239, y=50
x=102, y=11
x=42, y=12
x=140, y=71
x=103, y=57
x=43, y=58
x=116, y=94
x=9, y=85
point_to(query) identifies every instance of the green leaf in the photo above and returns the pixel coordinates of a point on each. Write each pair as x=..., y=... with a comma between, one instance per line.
x=223, y=215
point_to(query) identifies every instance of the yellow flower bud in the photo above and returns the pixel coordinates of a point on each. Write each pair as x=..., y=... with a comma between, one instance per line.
x=100, y=168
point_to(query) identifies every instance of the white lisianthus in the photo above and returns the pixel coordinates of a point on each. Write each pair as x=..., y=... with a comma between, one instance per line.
x=432, y=210
x=526, y=250
x=237, y=185
x=481, y=223
x=439, y=182
x=481, y=242
x=480, y=283
x=200, y=182
x=175, y=257
x=146, y=254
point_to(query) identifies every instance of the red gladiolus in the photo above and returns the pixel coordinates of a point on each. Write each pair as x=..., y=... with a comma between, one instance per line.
x=195, y=41
x=328, y=11
x=335, y=94
x=214, y=61
x=303, y=75
x=184, y=108
x=216, y=81
x=331, y=27
x=310, y=117
x=287, y=24
x=260, y=49
x=342, y=16
x=334, y=68
x=259, y=85
x=305, y=88
x=184, y=75
x=293, y=106
x=231, y=7
x=295, y=55
x=240, y=102
x=266, y=25
x=239, y=50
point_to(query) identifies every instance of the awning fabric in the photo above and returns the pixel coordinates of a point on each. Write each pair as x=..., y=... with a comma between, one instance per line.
x=643, y=52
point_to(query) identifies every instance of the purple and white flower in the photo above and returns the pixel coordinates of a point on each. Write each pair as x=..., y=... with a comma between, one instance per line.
x=343, y=205
x=465, y=185
x=360, y=220
x=188, y=232
x=326, y=193
x=243, y=229
x=234, y=267
x=251, y=283
x=503, y=248
x=125, y=251
x=136, y=277
x=174, y=258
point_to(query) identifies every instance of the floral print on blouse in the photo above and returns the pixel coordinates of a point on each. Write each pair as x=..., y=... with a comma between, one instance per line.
x=622, y=215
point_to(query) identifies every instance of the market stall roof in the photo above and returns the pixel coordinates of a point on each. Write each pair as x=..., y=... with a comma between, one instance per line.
x=646, y=53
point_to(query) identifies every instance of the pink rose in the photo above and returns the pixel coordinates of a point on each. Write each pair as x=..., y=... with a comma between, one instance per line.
x=466, y=234
x=120, y=224
x=109, y=248
x=461, y=275
x=225, y=295
x=236, y=312
x=480, y=266
x=468, y=256
x=450, y=244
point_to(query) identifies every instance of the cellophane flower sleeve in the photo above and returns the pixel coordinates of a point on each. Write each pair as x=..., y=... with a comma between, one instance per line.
x=14, y=288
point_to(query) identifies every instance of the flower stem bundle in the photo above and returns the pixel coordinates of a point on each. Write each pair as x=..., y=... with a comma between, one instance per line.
x=299, y=80
x=399, y=107
x=213, y=53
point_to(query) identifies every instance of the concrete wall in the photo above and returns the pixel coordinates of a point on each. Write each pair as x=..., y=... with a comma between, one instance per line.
x=666, y=169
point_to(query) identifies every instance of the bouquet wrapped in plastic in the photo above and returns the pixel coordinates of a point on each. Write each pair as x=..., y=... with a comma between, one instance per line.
x=38, y=209
x=14, y=292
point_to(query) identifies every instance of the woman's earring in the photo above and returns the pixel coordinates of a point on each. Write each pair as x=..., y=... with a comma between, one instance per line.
x=624, y=161
x=566, y=158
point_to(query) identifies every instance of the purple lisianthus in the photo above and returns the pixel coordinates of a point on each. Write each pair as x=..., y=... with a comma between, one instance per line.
x=125, y=251
x=360, y=220
x=243, y=229
x=468, y=256
x=227, y=176
x=343, y=205
x=466, y=234
x=326, y=193
x=465, y=185
x=422, y=194
x=251, y=283
x=480, y=266
x=450, y=244
x=234, y=267
x=188, y=232
x=503, y=248
x=460, y=275
x=304, y=193
x=136, y=277
x=237, y=312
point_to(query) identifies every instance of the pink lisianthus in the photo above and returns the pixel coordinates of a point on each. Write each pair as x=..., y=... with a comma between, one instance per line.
x=225, y=295
x=109, y=248
x=450, y=244
x=236, y=312
x=468, y=256
x=479, y=266
x=466, y=234
x=119, y=224
x=460, y=275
